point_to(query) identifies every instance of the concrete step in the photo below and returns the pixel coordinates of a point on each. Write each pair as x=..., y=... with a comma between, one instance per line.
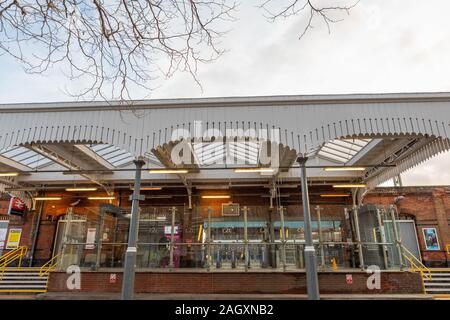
x=437, y=284
x=22, y=286
x=21, y=273
x=6, y=277
x=23, y=281
x=442, y=290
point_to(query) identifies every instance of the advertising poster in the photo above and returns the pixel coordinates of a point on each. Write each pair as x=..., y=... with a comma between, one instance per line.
x=431, y=239
x=13, y=238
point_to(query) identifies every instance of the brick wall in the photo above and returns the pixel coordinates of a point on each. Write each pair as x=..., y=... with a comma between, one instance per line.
x=429, y=207
x=233, y=282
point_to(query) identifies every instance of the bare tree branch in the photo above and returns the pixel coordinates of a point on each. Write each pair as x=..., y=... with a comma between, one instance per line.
x=113, y=45
x=275, y=10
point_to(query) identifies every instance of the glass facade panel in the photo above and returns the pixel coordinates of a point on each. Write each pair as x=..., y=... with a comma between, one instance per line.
x=211, y=238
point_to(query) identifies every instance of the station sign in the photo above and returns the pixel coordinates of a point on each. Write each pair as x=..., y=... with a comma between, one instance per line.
x=16, y=207
x=230, y=209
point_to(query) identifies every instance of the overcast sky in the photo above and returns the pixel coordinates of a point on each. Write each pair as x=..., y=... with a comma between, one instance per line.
x=382, y=46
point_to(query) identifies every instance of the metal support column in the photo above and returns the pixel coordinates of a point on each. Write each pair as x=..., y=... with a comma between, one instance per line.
x=398, y=240
x=283, y=238
x=172, y=237
x=130, y=256
x=246, y=257
x=99, y=237
x=312, y=282
x=319, y=226
x=383, y=239
x=35, y=233
x=358, y=237
x=208, y=250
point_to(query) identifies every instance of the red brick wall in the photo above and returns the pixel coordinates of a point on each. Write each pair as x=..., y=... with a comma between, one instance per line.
x=232, y=282
x=428, y=206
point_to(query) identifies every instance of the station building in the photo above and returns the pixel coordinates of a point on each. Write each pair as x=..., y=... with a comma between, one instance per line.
x=221, y=205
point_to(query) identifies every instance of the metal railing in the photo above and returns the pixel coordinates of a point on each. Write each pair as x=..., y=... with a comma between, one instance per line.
x=50, y=265
x=214, y=255
x=417, y=266
x=12, y=256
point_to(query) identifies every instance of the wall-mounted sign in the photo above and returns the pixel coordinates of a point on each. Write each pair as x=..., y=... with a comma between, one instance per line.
x=349, y=278
x=168, y=230
x=113, y=278
x=90, y=238
x=13, y=238
x=3, y=233
x=430, y=238
x=16, y=206
x=230, y=209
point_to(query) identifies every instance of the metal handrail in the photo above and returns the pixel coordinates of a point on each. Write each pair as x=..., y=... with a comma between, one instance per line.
x=418, y=266
x=12, y=256
x=49, y=265
x=447, y=248
x=415, y=262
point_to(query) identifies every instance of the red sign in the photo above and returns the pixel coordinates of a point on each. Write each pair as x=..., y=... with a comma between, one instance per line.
x=113, y=278
x=17, y=206
x=349, y=278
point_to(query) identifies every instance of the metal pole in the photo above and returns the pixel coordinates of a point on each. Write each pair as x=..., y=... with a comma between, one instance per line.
x=130, y=255
x=172, y=237
x=283, y=238
x=312, y=282
x=383, y=239
x=208, y=259
x=322, y=251
x=246, y=260
x=35, y=234
x=358, y=237
x=398, y=240
x=99, y=237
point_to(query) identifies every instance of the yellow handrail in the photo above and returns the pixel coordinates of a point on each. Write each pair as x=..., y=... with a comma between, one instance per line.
x=11, y=256
x=417, y=266
x=447, y=248
x=49, y=266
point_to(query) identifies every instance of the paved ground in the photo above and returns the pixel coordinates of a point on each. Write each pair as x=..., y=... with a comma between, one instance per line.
x=115, y=296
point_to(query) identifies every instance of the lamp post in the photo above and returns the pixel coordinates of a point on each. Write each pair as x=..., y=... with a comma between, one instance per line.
x=130, y=255
x=312, y=282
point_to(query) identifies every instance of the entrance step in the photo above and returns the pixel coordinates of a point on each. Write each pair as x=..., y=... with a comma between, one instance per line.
x=439, y=284
x=23, y=281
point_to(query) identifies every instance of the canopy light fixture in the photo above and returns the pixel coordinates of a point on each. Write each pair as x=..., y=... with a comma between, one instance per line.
x=262, y=170
x=355, y=185
x=47, y=198
x=80, y=189
x=9, y=174
x=212, y=187
x=344, y=169
x=335, y=195
x=101, y=198
x=216, y=197
x=149, y=188
x=168, y=171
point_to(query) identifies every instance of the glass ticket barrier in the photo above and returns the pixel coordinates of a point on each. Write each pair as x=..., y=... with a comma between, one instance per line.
x=228, y=246
x=329, y=231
